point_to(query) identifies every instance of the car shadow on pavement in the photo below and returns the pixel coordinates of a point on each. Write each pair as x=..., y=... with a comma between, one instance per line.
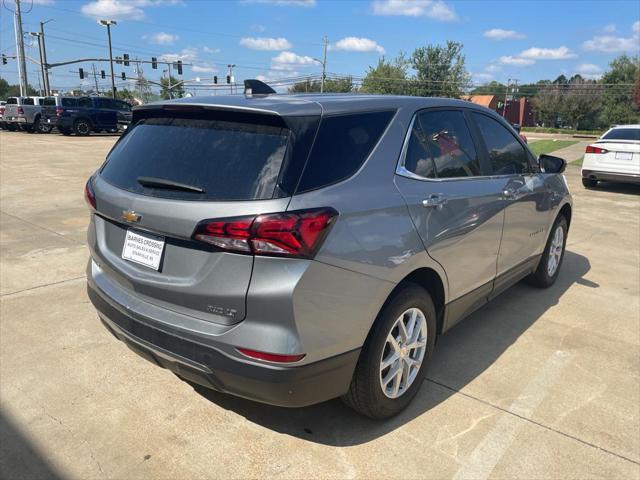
x=461, y=355
x=625, y=188
x=19, y=456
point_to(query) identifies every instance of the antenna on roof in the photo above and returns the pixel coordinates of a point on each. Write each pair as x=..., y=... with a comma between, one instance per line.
x=256, y=87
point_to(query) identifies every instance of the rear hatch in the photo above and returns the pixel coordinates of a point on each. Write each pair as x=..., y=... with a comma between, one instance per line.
x=170, y=171
x=11, y=108
x=622, y=150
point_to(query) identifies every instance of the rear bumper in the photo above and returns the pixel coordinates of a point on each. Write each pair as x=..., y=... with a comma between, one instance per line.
x=276, y=385
x=611, y=176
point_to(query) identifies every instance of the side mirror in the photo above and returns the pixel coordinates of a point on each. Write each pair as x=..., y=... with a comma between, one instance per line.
x=551, y=164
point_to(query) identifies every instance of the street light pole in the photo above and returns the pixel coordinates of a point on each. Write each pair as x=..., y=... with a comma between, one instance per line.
x=324, y=65
x=108, y=23
x=22, y=63
x=47, y=87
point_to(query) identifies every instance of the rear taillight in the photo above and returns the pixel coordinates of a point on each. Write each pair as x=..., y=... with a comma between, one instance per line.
x=58, y=112
x=20, y=111
x=89, y=196
x=271, y=357
x=592, y=149
x=291, y=234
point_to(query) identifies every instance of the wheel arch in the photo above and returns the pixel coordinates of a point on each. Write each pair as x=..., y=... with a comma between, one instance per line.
x=433, y=283
x=566, y=211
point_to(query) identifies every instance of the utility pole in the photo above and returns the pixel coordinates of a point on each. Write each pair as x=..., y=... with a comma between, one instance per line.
x=324, y=64
x=22, y=63
x=47, y=87
x=42, y=71
x=506, y=93
x=95, y=77
x=108, y=23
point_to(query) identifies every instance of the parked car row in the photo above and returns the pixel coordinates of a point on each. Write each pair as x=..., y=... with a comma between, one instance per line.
x=79, y=115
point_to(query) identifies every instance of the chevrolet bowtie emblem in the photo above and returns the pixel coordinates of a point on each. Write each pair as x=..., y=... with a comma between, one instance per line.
x=131, y=216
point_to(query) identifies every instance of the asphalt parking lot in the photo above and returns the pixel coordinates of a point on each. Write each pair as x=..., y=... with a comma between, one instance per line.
x=538, y=384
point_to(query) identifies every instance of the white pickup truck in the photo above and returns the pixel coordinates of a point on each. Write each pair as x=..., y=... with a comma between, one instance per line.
x=25, y=113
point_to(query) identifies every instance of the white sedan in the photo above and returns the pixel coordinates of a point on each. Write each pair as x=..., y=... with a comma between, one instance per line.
x=614, y=157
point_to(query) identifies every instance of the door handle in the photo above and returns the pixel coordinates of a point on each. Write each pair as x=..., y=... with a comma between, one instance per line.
x=436, y=200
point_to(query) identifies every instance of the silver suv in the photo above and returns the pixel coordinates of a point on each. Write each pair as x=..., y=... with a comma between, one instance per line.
x=293, y=249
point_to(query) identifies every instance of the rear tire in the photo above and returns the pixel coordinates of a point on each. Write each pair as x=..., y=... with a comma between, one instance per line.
x=40, y=127
x=589, y=182
x=552, y=257
x=82, y=127
x=375, y=390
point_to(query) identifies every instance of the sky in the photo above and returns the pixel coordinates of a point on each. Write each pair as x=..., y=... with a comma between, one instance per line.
x=283, y=39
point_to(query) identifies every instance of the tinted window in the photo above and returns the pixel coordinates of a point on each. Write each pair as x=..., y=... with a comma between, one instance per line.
x=69, y=102
x=28, y=101
x=49, y=101
x=506, y=154
x=120, y=105
x=342, y=145
x=229, y=160
x=12, y=101
x=441, y=146
x=623, y=134
x=85, y=102
x=103, y=103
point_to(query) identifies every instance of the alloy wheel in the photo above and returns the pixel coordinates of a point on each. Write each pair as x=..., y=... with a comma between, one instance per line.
x=555, y=251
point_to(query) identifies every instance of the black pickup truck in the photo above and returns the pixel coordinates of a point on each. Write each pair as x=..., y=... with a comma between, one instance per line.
x=83, y=115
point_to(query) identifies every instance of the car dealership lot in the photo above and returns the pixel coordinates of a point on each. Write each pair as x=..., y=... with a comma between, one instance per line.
x=539, y=383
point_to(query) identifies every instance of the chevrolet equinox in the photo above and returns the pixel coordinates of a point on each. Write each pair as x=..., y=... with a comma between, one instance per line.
x=291, y=249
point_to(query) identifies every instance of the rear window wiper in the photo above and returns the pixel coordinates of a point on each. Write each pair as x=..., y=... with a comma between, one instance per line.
x=154, y=182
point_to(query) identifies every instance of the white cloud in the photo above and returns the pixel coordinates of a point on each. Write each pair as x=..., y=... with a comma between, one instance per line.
x=355, y=44
x=122, y=9
x=210, y=50
x=611, y=43
x=590, y=71
x=435, y=9
x=518, y=61
x=492, y=68
x=535, y=53
x=286, y=3
x=609, y=28
x=500, y=34
x=291, y=61
x=264, y=43
x=161, y=38
x=204, y=68
x=186, y=55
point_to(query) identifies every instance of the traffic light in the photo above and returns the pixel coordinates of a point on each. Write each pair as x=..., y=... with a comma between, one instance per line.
x=4, y=59
x=81, y=72
x=119, y=60
x=126, y=59
x=102, y=74
x=124, y=76
x=215, y=79
x=179, y=67
x=228, y=78
x=154, y=63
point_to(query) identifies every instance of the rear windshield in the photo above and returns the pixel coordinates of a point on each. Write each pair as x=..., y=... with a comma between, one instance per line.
x=69, y=102
x=228, y=160
x=49, y=101
x=12, y=101
x=28, y=101
x=622, y=134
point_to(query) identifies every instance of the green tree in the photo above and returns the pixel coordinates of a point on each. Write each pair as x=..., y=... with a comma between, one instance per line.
x=617, y=100
x=126, y=95
x=9, y=90
x=580, y=103
x=491, y=88
x=331, y=85
x=440, y=71
x=547, y=103
x=389, y=77
x=177, y=89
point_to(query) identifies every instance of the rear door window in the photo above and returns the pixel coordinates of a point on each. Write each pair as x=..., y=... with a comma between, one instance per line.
x=85, y=102
x=228, y=160
x=49, y=102
x=69, y=102
x=28, y=101
x=622, y=134
x=441, y=146
x=342, y=145
x=506, y=153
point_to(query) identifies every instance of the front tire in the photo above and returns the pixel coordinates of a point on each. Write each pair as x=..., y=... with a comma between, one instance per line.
x=589, y=183
x=394, y=358
x=551, y=260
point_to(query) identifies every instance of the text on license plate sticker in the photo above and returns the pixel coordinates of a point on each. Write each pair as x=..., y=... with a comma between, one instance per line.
x=143, y=249
x=624, y=155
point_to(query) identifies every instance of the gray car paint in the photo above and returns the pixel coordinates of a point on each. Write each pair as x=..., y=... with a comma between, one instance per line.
x=325, y=306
